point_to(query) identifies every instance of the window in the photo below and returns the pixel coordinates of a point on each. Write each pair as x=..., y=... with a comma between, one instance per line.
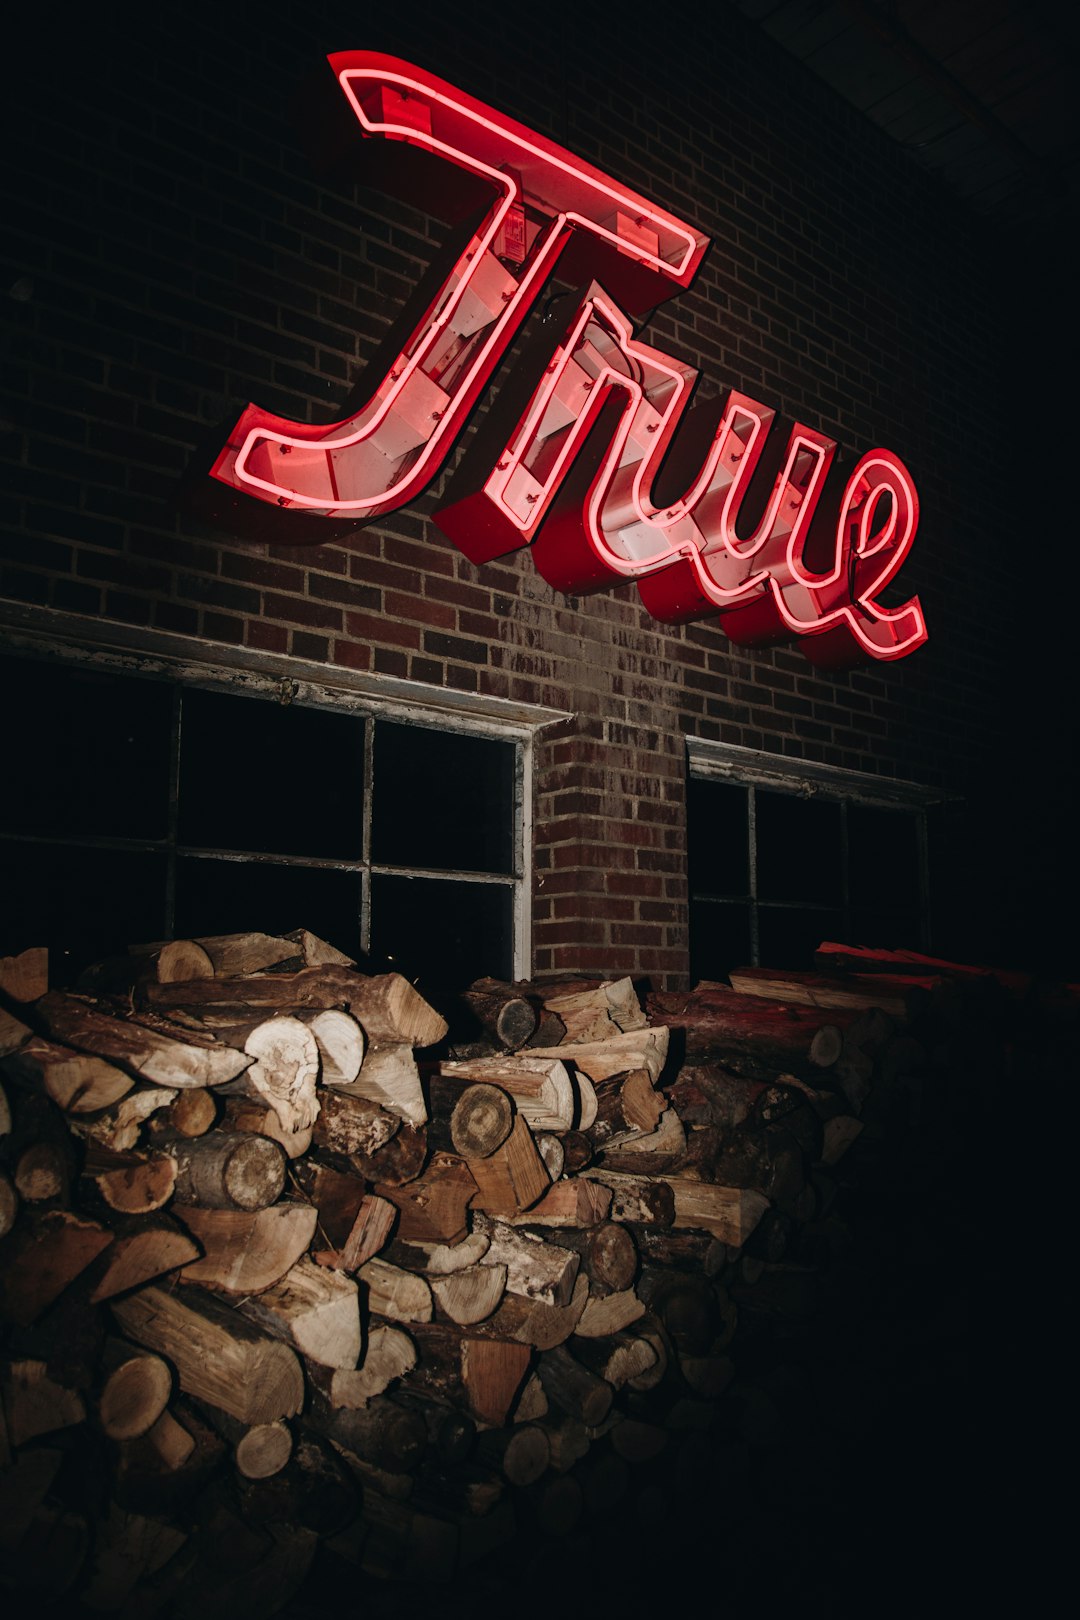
x=784, y=854
x=142, y=808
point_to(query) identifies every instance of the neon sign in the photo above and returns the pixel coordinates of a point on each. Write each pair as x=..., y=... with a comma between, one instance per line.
x=596, y=433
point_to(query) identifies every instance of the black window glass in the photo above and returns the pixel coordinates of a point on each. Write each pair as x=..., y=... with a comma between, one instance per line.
x=440, y=933
x=232, y=897
x=883, y=858
x=92, y=752
x=272, y=778
x=716, y=820
x=799, y=850
x=719, y=938
x=441, y=799
x=789, y=936
x=886, y=930
x=83, y=904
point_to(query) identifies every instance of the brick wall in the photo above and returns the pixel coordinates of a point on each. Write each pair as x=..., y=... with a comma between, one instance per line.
x=174, y=256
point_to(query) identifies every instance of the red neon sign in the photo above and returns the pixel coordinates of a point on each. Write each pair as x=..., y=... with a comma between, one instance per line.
x=812, y=568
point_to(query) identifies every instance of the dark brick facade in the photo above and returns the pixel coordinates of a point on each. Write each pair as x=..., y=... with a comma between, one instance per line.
x=174, y=256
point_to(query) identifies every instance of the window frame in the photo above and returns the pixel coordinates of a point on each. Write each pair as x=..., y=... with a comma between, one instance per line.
x=754, y=768
x=176, y=661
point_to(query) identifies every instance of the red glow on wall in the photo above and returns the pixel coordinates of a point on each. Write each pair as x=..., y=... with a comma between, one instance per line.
x=577, y=477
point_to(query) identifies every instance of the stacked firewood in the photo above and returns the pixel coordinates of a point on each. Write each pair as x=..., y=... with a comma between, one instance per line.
x=287, y=1267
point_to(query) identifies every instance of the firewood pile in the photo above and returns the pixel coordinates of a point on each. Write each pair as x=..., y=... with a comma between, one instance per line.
x=293, y=1275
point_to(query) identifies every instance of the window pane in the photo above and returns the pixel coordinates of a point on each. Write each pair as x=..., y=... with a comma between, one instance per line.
x=234, y=897
x=274, y=778
x=441, y=799
x=788, y=937
x=883, y=857
x=92, y=751
x=719, y=939
x=798, y=848
x=716, y=830
x=440, y=933
x=886, y=930
x=84, y=904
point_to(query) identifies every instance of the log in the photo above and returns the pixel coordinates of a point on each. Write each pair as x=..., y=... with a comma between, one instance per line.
x=341, y=1044
x=577, y=1151
x=531, y=1322
x=284, y=1072
x=75, y=1081
x=387, y=1007
x=507, y=1017
x=255, y=1117
x=439, y=1259
x=573, y=1388
x=135, y=1390
x=533, y=1269
x=626, y=1106
x=9, y=1205
x=165, y=1470
x=550, y=1148
x=129, y=1183
x=173, y=961
x=246, y=1251
x=606, y=1314
x=838, y=1135
x=192, y=1113
x=389, y=1354
x=314, y=1310
x=25, y=977
x=13, y=1033
x=398, y=1162
x=540, y=1086
x=383, y=1434
x=391, y=1292
x=235, y=954
x=511, y=1178
x=337, y=1197
x=520, y=1454
x=315, y=952
x=313, y=1490
x=259, y=1450
x=471, y=1295
x=590, y=1014
x=389, y=1077
x=368, y=1234
x=121, y=1126
x=41, y=1257
x=617, y=1358
x=218, y=1356
x=617, y=1053
x=652, y=1154
x=226, y=1171
x=476, y=1121
x=433, y=1207
x=350, y=1125
x=814, y=990
x=754, y=1036
x=492, y=1372
x=42, y=1173
x=162, y=1059
x=608, y=1256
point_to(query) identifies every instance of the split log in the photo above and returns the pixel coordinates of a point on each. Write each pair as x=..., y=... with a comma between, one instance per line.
x=219, y=1357
x=433, y=1207
x=550, y=1148
x=492, y=1372
x=652, y=1154
x=531, y=1403
x=163, y=1059
x=400, y=1295
x=589, y=1015
x=568, y=1204
x=838, y=1135
x=13, y=1033
x=636, y=1198
x=75, y=1081
x=255, y=1117
x=388, y=1355
x=41, y=1257
x=337, y=1197
x=540, y=1086
x=709, y=1094
x=315, y=1311
x=315, y=952
x=349, y=1125
x=608, y=1256
x=605, y=1314
x=9, y=1205
x=246, y=1251
x=645, y=1048
x=680, y=1250
x=143, y=1247
x=166, y=1469
x=25, y=977
x=368, y=1234
x=36, y=1404
x=225, y=1171
x=573, y=1388
x=129, y=1183
x=135, y=1390
x=531, y=1322
x=729, y=1213
x=533, y=1269
x=341, y=1044
x=438, y=1259
x=284, y=1071
x=617, y=1358
x=814, y=990
x=511, y=1178
x=626, y=1106
x=121, y=1126
x=236, y=954
x=387, y=1007
x=471, y=1295
x=389, y=1077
